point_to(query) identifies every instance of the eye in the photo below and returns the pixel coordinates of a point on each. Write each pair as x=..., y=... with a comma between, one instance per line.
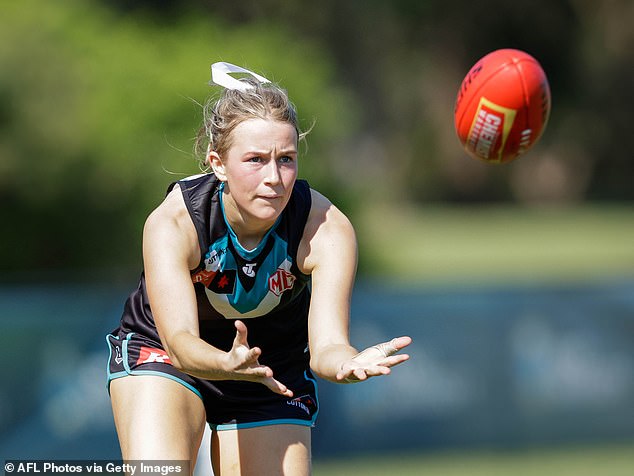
x=286, y=159
x=256, y=159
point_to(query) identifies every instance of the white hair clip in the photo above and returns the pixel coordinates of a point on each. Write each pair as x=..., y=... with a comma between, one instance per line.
x=220, y=76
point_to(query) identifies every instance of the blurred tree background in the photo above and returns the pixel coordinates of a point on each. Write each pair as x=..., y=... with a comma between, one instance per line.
x=100, y=101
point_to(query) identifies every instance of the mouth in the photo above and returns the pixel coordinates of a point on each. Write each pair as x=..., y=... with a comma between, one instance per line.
x=269, y=197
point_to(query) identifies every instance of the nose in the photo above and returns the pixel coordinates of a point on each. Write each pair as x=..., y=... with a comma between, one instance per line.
x=272, y=173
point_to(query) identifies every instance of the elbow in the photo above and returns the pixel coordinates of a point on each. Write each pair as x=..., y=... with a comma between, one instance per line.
x=314, y=366
x=318, y=369
x=177, y=363
x=174, y=357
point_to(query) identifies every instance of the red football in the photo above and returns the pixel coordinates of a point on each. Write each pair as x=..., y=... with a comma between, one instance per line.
x=503, y=106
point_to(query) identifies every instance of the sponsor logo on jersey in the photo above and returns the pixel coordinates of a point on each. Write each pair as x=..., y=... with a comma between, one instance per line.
x=281, y=281
x=212, y=259
x=148, y=355
x=249, y=270
x=203, y=276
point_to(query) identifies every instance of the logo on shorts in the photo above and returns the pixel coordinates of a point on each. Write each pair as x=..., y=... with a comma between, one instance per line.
x=147, y=355
x=117, y=357
x=305, y=403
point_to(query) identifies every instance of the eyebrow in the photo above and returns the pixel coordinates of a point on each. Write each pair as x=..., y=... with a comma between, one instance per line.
x=267, y=152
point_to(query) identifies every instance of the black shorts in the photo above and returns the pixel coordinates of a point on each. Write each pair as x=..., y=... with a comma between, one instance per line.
x=229, y=404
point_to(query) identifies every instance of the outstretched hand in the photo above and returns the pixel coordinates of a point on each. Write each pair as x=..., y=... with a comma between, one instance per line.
x=374, y=361
x=243, y=362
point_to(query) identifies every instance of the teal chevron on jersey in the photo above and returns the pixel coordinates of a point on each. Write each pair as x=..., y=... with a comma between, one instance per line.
x=256, y=290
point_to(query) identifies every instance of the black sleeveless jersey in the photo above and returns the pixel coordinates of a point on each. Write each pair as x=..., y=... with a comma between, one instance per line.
x=262, y=287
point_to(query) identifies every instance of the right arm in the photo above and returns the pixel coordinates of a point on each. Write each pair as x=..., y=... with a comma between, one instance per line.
x=170, y=250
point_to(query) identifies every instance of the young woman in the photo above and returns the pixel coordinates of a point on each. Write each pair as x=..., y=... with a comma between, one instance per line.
x=246, y=289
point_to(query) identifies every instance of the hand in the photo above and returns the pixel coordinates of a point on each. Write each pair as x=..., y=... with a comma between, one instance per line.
x=243, y=361
x=374, y=361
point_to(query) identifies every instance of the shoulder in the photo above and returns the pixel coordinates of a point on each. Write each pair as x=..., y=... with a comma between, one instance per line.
x=170, y=211
x=200, y=185
x=328, y=233
x=323, y=213
x=169, y=227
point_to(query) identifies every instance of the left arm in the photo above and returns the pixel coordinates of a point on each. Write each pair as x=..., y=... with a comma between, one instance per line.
x=328, y=252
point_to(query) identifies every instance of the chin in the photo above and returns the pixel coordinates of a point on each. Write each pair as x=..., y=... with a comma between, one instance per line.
x=267, y=212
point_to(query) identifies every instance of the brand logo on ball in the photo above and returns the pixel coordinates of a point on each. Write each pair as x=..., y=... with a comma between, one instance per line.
x=490, y=129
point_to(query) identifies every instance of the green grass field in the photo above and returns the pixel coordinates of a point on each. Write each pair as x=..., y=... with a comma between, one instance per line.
x=616, y=460
x=498, y=244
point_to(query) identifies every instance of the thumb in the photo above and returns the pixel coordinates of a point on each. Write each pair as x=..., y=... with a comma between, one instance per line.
x=241, y=334
x=400, y=343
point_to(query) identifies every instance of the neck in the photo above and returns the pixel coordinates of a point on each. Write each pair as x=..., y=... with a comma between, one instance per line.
x=248, y=229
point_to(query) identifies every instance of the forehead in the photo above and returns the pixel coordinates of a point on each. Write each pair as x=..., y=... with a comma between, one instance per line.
x=264, y=134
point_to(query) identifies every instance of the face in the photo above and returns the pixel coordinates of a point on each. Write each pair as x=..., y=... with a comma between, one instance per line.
x=259, y=170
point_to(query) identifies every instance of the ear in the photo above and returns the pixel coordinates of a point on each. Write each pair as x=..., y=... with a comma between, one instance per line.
x=217, y=166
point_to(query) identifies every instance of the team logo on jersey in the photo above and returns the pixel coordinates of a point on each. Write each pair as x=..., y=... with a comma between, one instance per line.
x=148, y=355
x=223, y=282
x=281, y=281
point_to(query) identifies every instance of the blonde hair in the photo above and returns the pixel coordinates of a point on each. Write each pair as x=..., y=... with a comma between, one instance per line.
x=222, y=115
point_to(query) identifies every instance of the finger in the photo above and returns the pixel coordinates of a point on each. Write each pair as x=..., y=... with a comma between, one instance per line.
x=241, y=333
x=391, y=361
x=252, y=356
x=377, y=370
x=277, y=387
x=377, y=353
x=244, y=358
x=360, y=374
x=345, y=374
x=341, y=375
x=372, y=371
x=354, y=376
x=240, y=327
x=256, y=373
x=395, y=360
x=399, y=343
x=393, y=346
x=261, y=371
